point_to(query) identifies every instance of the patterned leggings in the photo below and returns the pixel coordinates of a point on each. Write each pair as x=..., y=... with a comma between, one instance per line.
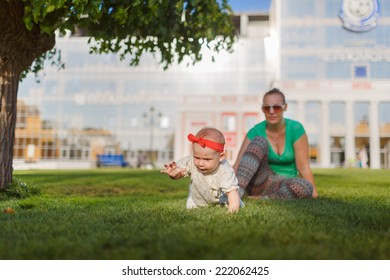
x=258, y=180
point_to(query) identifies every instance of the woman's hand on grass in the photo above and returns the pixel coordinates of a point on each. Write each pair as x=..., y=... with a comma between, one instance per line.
x=315, y=193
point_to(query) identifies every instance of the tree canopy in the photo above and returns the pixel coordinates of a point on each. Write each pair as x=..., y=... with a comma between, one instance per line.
x=173, y=28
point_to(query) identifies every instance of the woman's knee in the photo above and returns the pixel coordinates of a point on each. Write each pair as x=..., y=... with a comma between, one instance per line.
x=259, y=145
x=259, y=140
x=306, y=189
x=301, y=187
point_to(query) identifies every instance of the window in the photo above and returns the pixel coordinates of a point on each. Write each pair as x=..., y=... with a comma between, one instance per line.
x=250, y=120
x=229, y=121
x=337, y=118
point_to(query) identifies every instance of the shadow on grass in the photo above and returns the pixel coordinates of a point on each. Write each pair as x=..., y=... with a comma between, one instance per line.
x=333, y=228
x=105, y=183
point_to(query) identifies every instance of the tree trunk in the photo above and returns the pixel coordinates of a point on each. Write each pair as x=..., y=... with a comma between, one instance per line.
x=19, y=47
x=8, y=91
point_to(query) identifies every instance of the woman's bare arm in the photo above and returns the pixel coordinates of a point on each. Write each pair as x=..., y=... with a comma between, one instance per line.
x=244, y=145
x=302, y=161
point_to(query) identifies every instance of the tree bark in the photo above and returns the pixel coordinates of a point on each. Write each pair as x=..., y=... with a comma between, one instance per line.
x=19, y=47
x=8, y=89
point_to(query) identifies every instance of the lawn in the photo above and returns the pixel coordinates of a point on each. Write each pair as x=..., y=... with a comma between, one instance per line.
x=124, y=214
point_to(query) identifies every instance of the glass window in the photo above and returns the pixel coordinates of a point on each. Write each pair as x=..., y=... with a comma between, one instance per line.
x=300, y=9
x=311, y=113
x=332, y=8
x=337, y=118
x=250, y=120
x=361, y=118
x=291, y=112
x=338, y=70
x=380, y=70
x=229, y=122
x=384, y=116
x=384, y=129
x=362, y=131
x=312, y=119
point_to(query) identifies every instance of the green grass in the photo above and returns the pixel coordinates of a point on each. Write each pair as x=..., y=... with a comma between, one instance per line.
x=132, y=214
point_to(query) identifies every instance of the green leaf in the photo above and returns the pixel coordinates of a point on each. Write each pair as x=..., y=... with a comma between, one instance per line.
x=50, y=9
x=28, y=22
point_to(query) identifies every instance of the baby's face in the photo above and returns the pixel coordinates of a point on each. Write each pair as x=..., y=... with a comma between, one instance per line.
x=206, y=160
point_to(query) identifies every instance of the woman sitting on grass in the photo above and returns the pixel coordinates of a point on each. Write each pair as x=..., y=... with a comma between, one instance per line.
x=212, y=178
x=273, y=155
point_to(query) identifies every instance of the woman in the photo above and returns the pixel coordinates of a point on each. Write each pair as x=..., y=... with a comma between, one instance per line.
x=273, y=161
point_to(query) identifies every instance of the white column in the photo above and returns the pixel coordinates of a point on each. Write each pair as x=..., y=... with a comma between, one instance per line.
x=244, y=19
x=178, y=151
x=325, y=136
x=300, y=114
x=239, y=136
x=350, y=154
x=374, y=136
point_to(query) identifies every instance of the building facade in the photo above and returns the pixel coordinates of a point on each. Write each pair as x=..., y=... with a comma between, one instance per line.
x=333, y=59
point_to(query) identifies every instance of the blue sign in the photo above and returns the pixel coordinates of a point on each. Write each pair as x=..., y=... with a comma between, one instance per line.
x=360, y=71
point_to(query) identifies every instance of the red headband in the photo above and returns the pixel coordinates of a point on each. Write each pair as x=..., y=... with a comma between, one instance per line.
x=219, y=147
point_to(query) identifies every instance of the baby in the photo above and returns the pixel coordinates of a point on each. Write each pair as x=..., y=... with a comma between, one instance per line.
x=213, y=180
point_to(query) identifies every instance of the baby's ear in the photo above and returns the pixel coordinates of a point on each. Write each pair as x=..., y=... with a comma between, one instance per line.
x=221, y=156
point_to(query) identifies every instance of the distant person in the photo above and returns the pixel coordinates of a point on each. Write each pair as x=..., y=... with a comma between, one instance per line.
x=363, y=158
x=213, y=180
x=141, y=159
x=273, y=161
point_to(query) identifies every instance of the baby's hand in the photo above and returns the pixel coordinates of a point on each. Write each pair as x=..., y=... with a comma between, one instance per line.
x=173, y=171
x=234, y=201
x=233, y=208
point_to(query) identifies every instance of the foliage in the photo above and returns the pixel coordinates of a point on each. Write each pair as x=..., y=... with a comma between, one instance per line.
x=173, y=29
x=122, y=214
x=53, y=55
x=18, y=189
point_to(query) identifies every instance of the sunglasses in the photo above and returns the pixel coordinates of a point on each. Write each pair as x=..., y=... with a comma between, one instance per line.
x=275, y=108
